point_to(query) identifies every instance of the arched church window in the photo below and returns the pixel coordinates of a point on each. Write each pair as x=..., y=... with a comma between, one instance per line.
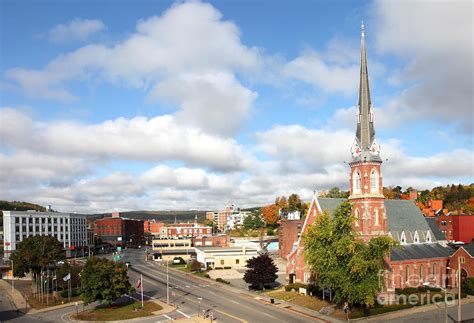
x=374, y=181
x=356, y=182
x=421, y=273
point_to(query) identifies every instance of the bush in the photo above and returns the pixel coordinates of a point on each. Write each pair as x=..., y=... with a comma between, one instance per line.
x=295, y=286
x=468, y=286
x=194, y=266
x=220, y=280
x=362, y=312
x=74, y=292
x=270, y=232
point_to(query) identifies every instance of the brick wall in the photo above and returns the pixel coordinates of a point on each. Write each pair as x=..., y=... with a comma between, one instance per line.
x=288, y=235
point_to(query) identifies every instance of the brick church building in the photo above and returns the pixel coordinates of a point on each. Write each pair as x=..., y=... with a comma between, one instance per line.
x=419, y=259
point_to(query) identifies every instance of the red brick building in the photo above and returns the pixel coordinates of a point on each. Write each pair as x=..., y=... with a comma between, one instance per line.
x=464, y=257
x=457, y=228
x=119, y=231
x=434, y=208
x=152, y=226
x=288, y=234
x=185, y=230
x=221, y=240
x=420, y=258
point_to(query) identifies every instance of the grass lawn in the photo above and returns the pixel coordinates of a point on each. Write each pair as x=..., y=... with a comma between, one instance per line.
x=310, y=302
x=119, y=312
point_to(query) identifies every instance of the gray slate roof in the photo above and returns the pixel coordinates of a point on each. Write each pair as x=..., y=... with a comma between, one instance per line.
x=469, y=248
x=420, y=251
x=435, y=229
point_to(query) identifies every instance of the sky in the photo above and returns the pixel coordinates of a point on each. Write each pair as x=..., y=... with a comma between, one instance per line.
x=163, y=105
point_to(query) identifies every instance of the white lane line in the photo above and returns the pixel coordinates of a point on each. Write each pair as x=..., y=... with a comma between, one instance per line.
x=234, y=301
x=267, y=314
x=186, y=315
x=169, y=318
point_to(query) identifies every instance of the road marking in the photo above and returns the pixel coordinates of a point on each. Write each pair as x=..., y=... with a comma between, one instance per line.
x=234, y=301
x=232, y=316
x=169, y=318
x=187, y=316
x=267, y=314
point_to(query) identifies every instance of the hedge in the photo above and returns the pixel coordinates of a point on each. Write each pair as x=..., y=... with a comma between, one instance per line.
x=220, y=280
x=378, y=310
x=468, y=286
x=74, y=292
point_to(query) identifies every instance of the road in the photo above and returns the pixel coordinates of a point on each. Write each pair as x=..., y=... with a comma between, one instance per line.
x=9, y=313
x=191, y=294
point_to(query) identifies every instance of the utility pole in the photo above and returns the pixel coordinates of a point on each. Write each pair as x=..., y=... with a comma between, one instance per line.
x=459, y=291
x=167, y=285
x=141, y=285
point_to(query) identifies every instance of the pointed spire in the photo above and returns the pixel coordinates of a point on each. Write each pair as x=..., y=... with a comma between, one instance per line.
x=365, y=128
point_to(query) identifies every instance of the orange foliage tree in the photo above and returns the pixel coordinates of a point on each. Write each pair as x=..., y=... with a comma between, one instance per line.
x=270, y=214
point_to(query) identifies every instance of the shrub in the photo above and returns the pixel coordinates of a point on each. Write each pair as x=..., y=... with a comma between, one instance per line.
x=468, y=286
x=295, y=286
x=378, y=310
x=194, y=266
x=270, y=232
x=74, y=292
x=220, y=280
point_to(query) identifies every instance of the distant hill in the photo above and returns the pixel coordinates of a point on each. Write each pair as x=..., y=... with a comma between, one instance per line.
x=163, y=216
x=20, y=206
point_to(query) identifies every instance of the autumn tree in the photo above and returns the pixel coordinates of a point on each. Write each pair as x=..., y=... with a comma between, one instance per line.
x=104, y=281
x=282, y=203
x=270, y=214
x=335, y=192
x=344, y=262
x=261, y=271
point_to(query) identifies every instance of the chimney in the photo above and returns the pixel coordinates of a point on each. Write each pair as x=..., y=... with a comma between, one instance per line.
x=413, y=195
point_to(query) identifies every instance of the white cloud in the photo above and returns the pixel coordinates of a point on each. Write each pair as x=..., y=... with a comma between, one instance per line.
x=311, y=68
x=173, y=47
x=76, y=29
x=436, y=38
x=215, y=102
x=156, y=139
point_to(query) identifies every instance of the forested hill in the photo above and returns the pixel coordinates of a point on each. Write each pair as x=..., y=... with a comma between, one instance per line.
x=164, y=216
x=20, y=206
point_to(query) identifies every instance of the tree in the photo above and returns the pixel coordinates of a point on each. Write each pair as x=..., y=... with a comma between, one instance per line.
x=343, y=262
x=210, y=223
x=335, y=192
x=65, y=270
x=194, y=265
x=253, y=221
x=261, y=271
x=282, y=203
x=104, y=281
x=270, y=214
x=35, y=254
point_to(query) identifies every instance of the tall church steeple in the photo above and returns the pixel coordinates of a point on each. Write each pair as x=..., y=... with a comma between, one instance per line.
x=366, y=189
x=365, y=146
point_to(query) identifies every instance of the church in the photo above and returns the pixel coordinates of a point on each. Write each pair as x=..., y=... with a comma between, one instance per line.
x=420, y=258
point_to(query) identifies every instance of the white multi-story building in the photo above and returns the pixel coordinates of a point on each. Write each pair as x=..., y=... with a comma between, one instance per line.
x=229, y=218
x=68, y=228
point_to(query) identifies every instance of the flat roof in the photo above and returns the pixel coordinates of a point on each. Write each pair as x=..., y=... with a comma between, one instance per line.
x=210, y=248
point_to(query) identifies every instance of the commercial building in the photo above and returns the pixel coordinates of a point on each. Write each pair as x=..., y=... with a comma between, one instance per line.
x=168, y=249
x=457, y=228
x=119, y=231
x=69, y=228
x=152, y=226
x=229, y=218
x=223, y=258
x=221, y=240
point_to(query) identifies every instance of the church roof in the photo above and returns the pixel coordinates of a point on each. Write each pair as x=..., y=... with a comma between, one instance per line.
x=420, y=251
x=435, y=229
x=469, y=248
x=402, y=215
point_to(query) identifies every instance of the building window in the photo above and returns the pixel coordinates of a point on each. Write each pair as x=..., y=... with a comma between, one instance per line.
x=222, y=262
x=462, y=260
x=237, y=261
x=374, y=181
x=421, y=273
x=407, y=276
x=356, y=182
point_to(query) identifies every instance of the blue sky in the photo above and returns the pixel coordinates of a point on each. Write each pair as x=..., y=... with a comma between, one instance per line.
x=121, y=105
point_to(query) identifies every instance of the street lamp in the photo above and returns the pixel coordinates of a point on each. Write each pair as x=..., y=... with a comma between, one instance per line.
x=13, y=277
x=199, y=305
x=445, y=300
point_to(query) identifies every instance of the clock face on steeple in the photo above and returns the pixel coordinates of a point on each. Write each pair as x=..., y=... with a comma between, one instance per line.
x=355, y=149
x=374, y=148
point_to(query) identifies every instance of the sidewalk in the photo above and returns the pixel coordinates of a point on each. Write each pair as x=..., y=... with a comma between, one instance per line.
x=410, y=311
x=20, y=302
x=278, y=303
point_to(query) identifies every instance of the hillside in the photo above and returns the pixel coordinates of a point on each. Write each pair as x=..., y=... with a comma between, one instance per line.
x=164, y=216
x=20, y=206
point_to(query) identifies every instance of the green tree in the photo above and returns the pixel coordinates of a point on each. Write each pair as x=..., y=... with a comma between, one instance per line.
x=210, y=223
x=104, y=281
x=35, y=254
x=342, y=261
x=335, y=192
x=65, y=270
x=261, y=271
